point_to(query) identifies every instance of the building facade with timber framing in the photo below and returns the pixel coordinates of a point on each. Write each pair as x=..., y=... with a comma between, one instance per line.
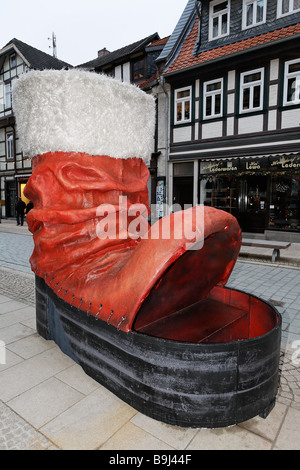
x=16, y=58
x=232, y=69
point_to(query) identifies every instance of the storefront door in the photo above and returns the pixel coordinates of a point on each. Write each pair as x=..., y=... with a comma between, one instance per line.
x=10, y=196
x=183, y=185
x=253, y=203
x=183, y=191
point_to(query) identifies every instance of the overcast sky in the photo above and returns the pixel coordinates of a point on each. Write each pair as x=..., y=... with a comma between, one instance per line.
x=82, y=27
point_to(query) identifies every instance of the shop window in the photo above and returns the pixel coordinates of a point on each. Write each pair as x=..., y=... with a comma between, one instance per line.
x=284, y=204
x=8, y=96
x=219, y=192
x=254, y=13
x=287, y=7
x=292, y=83
x=213, y=99
x=183, y=105
x=10, y=146
x=219, y=19
x=251, y=91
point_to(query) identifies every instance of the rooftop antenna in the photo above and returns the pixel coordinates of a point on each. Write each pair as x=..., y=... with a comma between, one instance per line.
x=54, y=50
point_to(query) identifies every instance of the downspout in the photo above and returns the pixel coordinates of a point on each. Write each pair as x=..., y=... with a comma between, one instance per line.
x=166, y=142
x=199, y=14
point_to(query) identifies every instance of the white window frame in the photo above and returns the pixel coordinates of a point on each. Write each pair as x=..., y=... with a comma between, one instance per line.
x=287, y=76
x=218, y=15
x=182, y=101
x=8, y=96
x=10, y=151
x=251, y=86
x=255, y=7
x=291, y=6
x=212, y=94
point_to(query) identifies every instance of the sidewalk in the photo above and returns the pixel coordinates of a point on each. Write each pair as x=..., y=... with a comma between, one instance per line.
x=47, y=401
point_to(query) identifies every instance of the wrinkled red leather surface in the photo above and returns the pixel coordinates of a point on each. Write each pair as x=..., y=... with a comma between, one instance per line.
x=111, y=278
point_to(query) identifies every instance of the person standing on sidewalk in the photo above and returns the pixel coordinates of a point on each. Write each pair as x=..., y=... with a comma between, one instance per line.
x=20, y=209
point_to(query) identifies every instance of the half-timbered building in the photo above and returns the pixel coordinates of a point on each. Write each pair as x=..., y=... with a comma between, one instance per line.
x=16, y=58
x=232, y=68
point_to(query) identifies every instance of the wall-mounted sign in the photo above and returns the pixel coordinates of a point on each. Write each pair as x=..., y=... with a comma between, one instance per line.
x=285, y=162
x=209, y=167
x=254, y=164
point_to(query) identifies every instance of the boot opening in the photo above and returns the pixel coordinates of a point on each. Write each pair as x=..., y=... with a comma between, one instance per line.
x=191, y=304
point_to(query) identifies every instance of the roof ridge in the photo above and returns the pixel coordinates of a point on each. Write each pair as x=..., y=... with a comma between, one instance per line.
x=21, y=44
x=107, y=58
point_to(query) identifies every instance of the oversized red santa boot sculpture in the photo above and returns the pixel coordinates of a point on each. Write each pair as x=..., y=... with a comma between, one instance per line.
x=140, y=308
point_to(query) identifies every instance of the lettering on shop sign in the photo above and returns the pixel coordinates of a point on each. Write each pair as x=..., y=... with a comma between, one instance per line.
x=217, y=167
x=251, y=166
x=285, y=163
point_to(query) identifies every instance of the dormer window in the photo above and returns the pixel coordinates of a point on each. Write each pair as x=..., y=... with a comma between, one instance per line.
x=219, y=19
x=254, y=13
x=13, y=61
x=139, y=70
x=287, y=7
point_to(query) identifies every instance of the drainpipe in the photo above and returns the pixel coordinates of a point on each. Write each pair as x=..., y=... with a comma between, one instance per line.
x=199, y=14
x=166, y=141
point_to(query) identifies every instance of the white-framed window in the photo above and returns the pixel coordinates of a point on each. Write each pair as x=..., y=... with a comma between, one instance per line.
x=219, y=18
x=251, y=91
x=291, y=93
x=10, y=153
x=254, y=13
x=287, y=7
x=213, y=99
x=8, y=100
x=183, y=105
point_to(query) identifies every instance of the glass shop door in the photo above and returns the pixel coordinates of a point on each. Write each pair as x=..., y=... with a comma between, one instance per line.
x=253, y=203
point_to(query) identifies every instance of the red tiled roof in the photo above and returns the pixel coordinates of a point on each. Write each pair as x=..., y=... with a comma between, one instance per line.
x=159, y=42
x=145, y=84
x=187, y=59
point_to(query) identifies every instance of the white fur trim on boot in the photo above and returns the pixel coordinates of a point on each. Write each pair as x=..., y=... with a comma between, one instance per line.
x=78, y=111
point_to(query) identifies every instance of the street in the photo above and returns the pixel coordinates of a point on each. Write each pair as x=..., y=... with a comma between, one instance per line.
x=15, y=250
x=37, y=372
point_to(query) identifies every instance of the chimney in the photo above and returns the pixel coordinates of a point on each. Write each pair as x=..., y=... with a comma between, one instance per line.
x=103, y=52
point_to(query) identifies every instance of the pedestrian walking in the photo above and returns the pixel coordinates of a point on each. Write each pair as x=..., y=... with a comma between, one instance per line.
x=20, y=209
x=29, y=207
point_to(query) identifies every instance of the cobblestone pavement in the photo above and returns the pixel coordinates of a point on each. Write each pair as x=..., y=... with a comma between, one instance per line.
x=280, y=285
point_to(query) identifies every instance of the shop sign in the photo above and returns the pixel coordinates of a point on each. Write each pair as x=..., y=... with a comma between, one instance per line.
x=209, y=167
x=285, y=162
x=253, y=164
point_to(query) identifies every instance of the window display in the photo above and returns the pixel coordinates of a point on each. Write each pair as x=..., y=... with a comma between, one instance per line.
x=284, y=202
x=221, y=193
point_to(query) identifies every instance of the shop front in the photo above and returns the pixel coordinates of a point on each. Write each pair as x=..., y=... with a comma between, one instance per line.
x=263, y=193
x=14, y=188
